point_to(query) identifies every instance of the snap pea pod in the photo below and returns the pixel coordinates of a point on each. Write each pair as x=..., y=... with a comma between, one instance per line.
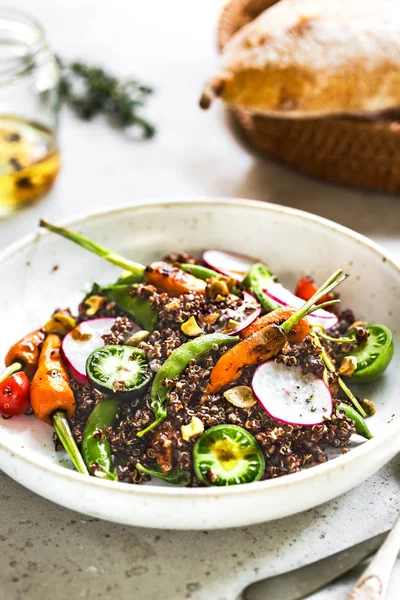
x=140, y=308
x=256, y=280
x=95, y=448
x=359, y=423
x=199, y=271
x=174, y=366
x=127, y=277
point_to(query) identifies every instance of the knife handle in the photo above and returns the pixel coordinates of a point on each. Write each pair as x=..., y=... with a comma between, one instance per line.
x=373, y=583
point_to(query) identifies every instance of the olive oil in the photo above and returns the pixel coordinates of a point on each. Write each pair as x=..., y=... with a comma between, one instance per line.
x=29, y=162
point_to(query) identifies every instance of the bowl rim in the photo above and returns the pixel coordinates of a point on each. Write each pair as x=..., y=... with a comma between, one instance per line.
x=164, y=203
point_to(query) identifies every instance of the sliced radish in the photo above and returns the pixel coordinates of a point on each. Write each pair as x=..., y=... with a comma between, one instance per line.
x=289, y=396
x=282, y=296
x=81, y=342
x=229, y=263
x=242, y=317
x=249, y=303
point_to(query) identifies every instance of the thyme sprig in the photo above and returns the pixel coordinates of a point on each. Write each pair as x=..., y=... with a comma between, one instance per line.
x=90, y=91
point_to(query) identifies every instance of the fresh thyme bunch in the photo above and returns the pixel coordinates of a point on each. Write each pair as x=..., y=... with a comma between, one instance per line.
x=90, y=91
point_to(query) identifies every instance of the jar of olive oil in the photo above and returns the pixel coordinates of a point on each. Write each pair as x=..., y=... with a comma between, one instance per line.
x=29, y=103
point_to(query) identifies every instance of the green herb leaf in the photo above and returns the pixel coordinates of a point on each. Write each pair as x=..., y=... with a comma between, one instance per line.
x=175, y=476
x=90, y=91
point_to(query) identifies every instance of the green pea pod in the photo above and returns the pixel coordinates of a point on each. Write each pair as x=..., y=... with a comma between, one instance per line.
x=199, y=271
x=257, y=279
x=174, y=366
x=359, y=423
x=128, y=277
x=140, y=308
x=95, y=448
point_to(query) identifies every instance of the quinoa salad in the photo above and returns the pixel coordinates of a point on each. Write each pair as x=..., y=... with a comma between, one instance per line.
x=198, y=371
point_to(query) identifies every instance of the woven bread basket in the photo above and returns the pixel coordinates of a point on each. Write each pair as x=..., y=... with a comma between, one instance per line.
x=357, y=152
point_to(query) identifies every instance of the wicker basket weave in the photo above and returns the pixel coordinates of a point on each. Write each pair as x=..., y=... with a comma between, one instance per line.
x=357, y=152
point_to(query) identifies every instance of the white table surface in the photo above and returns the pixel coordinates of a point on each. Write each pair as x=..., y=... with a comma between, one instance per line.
x=52, y=553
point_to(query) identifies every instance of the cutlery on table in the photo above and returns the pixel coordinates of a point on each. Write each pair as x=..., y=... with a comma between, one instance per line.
x=373, y=583
x=302, y=582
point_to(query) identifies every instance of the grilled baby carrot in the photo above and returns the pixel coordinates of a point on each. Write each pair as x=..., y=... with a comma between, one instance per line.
x=266, y=342
x=173, y=280
x=277, y=317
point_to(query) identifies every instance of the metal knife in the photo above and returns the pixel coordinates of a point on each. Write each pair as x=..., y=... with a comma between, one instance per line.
x=302, y=582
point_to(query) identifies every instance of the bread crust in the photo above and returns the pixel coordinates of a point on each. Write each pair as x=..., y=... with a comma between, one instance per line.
x=303, y=58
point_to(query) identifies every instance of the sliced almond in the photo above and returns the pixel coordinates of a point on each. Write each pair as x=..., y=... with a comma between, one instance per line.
x=348, y=366
x=191, y=328
x=193, y=429
x=241, y=396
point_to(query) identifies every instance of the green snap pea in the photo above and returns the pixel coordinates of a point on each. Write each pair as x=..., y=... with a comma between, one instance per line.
x=257, y=280
x=174, y=366
x=359, y=423
x=96, y=449
x=140, y=308
x=199, y=271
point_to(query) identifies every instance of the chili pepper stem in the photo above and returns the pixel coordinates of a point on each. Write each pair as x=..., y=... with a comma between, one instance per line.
x=97, y=249
x=331, y=368
x=333, y=281
x=14, y=368
x=62, y=429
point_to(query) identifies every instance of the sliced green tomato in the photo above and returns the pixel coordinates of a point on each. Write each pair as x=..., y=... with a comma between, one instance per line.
x=122, y=372
x=374, y=355
x=227, y=455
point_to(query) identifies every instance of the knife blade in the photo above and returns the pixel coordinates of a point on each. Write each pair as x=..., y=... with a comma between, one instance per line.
x=302, y=582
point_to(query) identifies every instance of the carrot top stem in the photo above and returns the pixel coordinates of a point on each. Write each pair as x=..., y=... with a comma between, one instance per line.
x=308, y=307
x=84, y=242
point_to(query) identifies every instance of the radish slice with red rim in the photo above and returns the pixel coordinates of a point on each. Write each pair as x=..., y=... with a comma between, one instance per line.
x=248, y=312
x=81, y=342
x=282, y=296
x=229, y=263
x=289, y=396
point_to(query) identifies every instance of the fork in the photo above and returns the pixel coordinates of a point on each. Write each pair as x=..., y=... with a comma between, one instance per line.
x=373, y=583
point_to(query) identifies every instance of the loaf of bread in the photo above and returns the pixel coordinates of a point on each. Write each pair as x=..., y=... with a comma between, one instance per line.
x=307, y=58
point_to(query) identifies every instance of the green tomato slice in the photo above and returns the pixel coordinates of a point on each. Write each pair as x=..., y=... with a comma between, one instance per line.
x=227, y=455
x=121, y=372
x=374, y=355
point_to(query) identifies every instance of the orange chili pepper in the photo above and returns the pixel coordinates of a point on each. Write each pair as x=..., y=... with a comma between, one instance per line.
x=173, y=280
x=50, y=389
x=278, y=316
x=26, y=352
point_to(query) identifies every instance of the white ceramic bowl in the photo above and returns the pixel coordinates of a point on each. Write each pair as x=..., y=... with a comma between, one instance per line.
x=291, y=242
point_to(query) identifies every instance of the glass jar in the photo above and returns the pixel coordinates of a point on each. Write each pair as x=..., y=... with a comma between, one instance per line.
x=29, y=104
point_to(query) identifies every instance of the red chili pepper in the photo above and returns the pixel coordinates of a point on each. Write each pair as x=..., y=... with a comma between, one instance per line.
x=14, y=394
